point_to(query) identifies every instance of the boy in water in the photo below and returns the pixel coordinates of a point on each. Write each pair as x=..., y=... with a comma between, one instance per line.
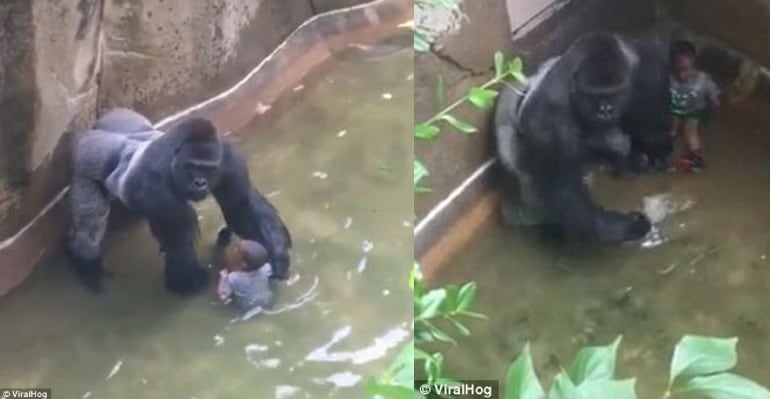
x=693, y=96
x=245, y=276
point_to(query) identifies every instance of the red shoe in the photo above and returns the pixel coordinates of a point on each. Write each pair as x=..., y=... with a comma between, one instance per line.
x=689, y=163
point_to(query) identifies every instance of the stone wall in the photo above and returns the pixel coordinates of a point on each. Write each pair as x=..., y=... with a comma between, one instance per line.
x=61, y=61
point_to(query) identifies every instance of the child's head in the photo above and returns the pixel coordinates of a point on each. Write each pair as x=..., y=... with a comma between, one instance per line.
x=682, y=59
x=246, y=255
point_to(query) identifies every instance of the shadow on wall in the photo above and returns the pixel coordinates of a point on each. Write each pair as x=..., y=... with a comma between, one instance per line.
x=60, y=62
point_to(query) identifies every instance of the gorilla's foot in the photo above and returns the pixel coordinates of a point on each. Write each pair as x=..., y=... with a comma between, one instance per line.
x=186, y=280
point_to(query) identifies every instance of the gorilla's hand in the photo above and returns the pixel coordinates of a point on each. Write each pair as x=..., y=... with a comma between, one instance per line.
x=618, y=227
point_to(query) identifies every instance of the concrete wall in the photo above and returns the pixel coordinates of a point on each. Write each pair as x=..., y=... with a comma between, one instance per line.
x=741, y=25
x=532, y=29
x=61, y=61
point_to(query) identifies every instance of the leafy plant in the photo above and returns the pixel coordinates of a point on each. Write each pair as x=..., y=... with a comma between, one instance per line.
x=433, y=308
x=507, y=72
x=700, y=366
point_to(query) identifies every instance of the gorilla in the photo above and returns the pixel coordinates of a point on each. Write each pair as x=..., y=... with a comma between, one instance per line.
x=158, y=176
x=606, y=99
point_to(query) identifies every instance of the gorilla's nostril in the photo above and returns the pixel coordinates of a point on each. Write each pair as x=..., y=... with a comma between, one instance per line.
x=199, y=183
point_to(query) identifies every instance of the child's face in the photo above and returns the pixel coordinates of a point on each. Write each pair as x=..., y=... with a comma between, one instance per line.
x=684, y=66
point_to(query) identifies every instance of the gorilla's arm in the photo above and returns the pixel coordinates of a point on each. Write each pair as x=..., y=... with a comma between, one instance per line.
x=559, y=182
x=249, y=214
x=176, y=229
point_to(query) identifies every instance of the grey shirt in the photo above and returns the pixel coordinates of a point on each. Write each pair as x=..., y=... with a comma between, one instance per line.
x=695, y=94
x=250, y=288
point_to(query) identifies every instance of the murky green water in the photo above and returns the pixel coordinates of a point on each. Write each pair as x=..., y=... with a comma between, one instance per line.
x=337, y=165
x=712, y=277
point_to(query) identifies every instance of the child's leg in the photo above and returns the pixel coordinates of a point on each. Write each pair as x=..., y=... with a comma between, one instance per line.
x=692, y=136
x=676, y=125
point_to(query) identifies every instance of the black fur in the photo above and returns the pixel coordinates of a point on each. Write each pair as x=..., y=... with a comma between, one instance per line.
x=605, y=99
x=157, y=175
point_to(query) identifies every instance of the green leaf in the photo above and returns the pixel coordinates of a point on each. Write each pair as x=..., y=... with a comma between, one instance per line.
x=595, y=363
x=458, y=124
x=420, y=172
x=460, y=327
x=697, y=355
x=421, y=44
x=416, y=280
x=482, y=98
x=515, y=66
x=430, y=303
x=401, y=371
x=499, y=64
x=563, y=388
x=611, y=389
x=725, y=386
x=521, y=381
x=426, y=131
x=520, y=77
x=466, y=296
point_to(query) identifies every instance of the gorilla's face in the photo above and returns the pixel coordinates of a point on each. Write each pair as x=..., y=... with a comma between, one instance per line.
x=195, y=172
x=600, y=109
x=196, y=162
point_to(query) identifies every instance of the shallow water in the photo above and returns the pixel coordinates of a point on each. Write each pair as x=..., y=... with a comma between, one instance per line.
x=711, y=276
x=347, y=199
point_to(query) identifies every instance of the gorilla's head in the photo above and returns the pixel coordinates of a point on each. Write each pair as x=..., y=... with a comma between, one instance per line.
x=197, y=158
x=601, y=81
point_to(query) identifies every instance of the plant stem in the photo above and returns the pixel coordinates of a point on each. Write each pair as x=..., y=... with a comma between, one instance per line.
x=463, y=99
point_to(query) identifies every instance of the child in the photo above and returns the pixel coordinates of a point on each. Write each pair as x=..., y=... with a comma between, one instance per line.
x=245, y=277
x=693, y=95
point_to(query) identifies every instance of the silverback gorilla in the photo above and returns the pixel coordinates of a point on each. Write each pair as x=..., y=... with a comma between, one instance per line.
x=157, y=175
x=605, y=99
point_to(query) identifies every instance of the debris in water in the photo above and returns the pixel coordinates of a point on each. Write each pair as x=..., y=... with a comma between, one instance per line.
x=87, y=395
x=299, y=87
x=115, y=369
x=144, y=381
x=272, y=194
x=340, y=380
x=219, y=340
x=387, y=96
x=362, y=264
x=271, y=363
x=367, y=246
x=348, y=222
x=286, y=392
x=349, y=275
x=385, y=292
x=320, y=175
x=262, y=108
x=406, y=223
x=254, y=349
x=326, y=205
x=763, y=257
x=342, y=133
x=410, y=77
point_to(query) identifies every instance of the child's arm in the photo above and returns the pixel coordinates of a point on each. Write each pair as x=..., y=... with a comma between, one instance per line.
x=224, y=288
x=713, y=91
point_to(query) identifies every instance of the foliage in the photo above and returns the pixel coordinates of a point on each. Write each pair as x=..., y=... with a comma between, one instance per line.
x=507, y=72
x=434, y=309
x=700, y=366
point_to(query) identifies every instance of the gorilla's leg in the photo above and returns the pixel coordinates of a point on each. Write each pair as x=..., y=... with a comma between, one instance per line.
x=176, y=229
x=249, y=214
x=90, y=210
x=614, y=147
x=123, y=120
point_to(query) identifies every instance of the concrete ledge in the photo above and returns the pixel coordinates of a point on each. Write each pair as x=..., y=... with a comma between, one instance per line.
x=310, y=45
